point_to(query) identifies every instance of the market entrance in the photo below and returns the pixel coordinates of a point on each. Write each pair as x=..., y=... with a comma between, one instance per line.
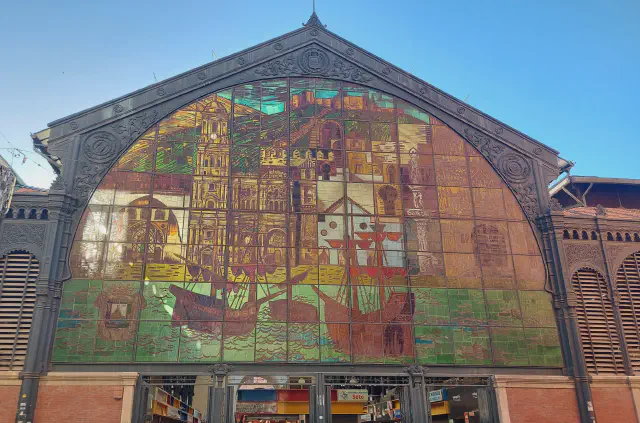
x=317, y=398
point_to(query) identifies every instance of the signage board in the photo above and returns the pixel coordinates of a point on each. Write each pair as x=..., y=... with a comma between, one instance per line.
x=353, y=395
x=365, y=418
x=436, y=396
x=257, y=407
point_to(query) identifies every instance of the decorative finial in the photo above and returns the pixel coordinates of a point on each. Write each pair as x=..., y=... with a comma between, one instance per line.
x=314, y=20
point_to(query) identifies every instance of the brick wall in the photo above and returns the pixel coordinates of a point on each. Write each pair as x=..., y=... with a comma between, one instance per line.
x=613, y=404
x=8, y=402
x=535, y=405
x=79, y=404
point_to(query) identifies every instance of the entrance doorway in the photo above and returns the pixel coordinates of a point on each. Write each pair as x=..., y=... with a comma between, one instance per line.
x=317, y=398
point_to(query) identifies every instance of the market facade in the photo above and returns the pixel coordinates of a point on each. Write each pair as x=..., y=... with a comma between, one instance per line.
x=304, y=232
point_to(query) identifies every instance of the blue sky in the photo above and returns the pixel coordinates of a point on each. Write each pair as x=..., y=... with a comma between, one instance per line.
x=563, y=72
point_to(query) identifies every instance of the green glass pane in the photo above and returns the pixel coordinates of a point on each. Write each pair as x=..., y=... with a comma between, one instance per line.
x=537, y=309
x=115, y=344
x=239, y=341
x=431, y=305
x=177, y=157
x=201, y=345
x=335, y=343
x=159, y=299
x=543, y=347
x=78, y=298
x=467, y=306
x=472, y=345
x=74, y=341
x=503, y=308
x=509, y=347
x=303, y=341
x=271, y=342
x=158, y=342
x=434, y=344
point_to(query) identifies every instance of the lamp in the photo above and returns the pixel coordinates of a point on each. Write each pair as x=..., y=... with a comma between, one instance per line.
x=301, y=381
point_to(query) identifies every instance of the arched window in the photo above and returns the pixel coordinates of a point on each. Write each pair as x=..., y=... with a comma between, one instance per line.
x=575, y=235
x=18, y=274
x=21, y=214
x=598, y=332
x=585, y=236
x=628, y=284
x=609, y=236
x=9, y=214
x=636, y=238
x=618, y=236
x=627, y=237
x=33, y=214
x=44, y=214
x=565, y=235
x=594, y=236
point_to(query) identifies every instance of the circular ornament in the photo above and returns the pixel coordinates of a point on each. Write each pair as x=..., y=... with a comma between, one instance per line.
x=514, y=167
x=314, y=60
x=101, y=147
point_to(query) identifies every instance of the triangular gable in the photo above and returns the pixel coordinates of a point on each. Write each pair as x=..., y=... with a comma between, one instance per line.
x=282, y=57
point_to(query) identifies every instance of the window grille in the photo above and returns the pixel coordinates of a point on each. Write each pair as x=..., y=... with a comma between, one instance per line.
x=598, y=332
x=18, y=274
x=628, y=283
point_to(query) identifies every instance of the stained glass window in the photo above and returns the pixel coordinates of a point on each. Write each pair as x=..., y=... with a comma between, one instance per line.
x=305, y=220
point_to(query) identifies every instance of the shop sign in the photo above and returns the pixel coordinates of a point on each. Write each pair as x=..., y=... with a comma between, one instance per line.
x=353, y=395
x=436, y=396
x=257, y=407
x=397, y=414
x=365, y=418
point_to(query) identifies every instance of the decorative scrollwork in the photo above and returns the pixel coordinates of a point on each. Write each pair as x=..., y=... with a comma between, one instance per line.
x=484, y=144
x=285, y=66
x=313, y=61
x=58, y=184
x=346, y=70
x=16, y=235
x=537, y=151
x=499, y=130
x=554, y=205
x=160, y=91
x=514, y=167
x=461, y=110
x=241, y=60
x=135, y=126
x=583, y=255
x=220, y=369
x=416, y=370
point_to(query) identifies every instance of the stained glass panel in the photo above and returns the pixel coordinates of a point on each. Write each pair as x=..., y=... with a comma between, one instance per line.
x=305, y=220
